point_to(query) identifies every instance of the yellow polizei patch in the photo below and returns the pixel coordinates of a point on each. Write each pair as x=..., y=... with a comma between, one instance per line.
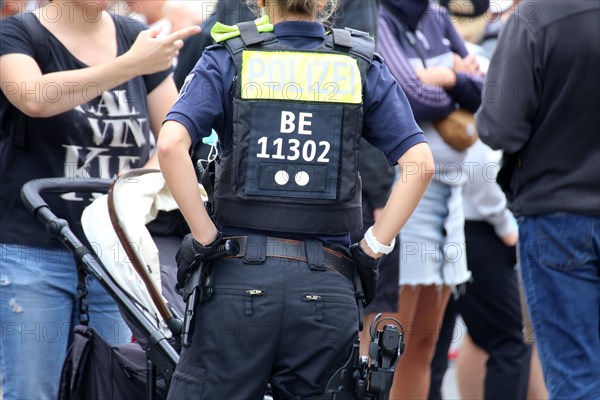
x=300, y=76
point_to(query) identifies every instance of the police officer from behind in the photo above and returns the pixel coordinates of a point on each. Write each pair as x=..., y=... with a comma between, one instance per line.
x=290, y=101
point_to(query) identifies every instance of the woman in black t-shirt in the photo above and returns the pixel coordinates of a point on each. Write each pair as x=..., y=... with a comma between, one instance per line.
x=81, y=92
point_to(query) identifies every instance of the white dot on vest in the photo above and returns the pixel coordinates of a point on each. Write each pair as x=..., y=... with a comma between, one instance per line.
x=281, y=177
x=302, y=178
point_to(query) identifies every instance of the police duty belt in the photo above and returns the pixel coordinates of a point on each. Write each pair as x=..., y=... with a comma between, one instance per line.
x=296, y=250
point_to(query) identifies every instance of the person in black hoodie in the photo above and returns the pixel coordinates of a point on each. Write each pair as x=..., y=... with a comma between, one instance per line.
x=541, y=108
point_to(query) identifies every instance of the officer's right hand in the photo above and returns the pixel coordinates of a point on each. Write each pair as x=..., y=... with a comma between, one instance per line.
x=150, y=53
x=190, y=253
x=368, y=270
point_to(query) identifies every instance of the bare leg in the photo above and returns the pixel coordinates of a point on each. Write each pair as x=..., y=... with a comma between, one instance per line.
x=470, y=369
x=537, y=387
x=471, y=373
x=421, y=311
x=364, y=335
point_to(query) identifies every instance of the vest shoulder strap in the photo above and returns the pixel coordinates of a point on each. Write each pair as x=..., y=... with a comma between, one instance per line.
x=354, y=42
x=249, y=33
x=249, y=36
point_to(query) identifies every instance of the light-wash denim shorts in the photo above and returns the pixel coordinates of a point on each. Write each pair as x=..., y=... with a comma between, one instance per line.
x=432, y=248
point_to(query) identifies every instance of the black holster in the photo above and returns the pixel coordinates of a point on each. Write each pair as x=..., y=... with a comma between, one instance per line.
x=197, y=290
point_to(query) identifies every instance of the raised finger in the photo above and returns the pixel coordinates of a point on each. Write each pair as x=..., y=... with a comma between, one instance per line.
x=153, y=32
x=183, y=33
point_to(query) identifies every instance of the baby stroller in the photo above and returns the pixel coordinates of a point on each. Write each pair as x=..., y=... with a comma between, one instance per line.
x=137, y=215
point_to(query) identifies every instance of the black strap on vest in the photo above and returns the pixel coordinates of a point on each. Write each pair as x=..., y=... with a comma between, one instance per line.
x=249, y=33
x=355, y=42
x=342, y=37
x=207, y=179
x=249, y=36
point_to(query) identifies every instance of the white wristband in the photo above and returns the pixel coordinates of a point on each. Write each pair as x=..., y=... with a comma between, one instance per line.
x=377, y=247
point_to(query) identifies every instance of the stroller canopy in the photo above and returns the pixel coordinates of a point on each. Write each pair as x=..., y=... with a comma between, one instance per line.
x=138, y=197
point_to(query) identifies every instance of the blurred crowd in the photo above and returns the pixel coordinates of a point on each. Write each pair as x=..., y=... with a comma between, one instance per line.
x=170, y=15
x=465, y=264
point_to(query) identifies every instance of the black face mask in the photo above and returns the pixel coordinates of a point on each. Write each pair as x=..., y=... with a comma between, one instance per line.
x=472, y=8
x=409, y=12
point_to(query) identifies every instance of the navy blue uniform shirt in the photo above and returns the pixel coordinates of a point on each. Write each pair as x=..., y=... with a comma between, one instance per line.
x=206, y=102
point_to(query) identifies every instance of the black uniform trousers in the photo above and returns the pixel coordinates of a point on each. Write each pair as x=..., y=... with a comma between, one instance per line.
x=279, y=321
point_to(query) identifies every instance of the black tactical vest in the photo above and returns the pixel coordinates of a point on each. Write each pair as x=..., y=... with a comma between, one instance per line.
x=297, y=123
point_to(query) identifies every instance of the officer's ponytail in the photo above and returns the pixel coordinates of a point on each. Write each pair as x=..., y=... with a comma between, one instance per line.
x=307, y=7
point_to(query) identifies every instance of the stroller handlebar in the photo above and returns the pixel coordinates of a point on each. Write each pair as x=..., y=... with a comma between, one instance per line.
x=31, y=196
x=31, y=191
x=160, y=351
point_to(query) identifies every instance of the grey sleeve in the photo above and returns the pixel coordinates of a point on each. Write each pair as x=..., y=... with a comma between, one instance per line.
x=482, y=197
x=510, y=101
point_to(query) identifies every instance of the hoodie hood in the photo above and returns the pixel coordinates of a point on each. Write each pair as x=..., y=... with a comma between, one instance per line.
x=409, y=12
